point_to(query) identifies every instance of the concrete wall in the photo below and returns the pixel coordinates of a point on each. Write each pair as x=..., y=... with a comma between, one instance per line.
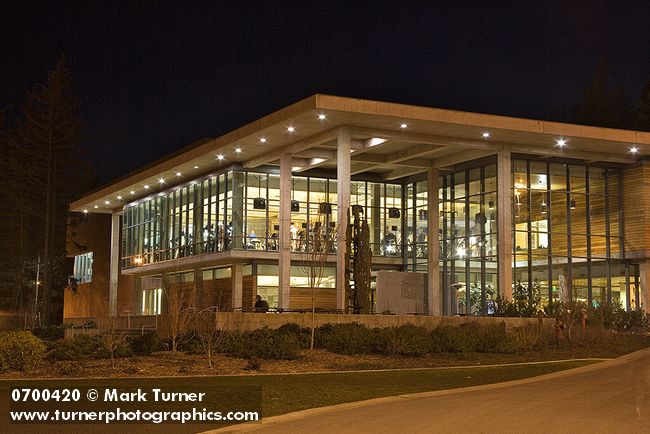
x=252, y=321
x=401, y=293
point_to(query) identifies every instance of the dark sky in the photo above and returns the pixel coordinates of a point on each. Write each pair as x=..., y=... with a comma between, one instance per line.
x=156, y=76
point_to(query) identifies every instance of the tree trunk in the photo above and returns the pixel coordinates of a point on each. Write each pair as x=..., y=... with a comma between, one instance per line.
x=47, y=251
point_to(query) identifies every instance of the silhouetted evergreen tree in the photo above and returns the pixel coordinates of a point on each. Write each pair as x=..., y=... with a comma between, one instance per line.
x=642, y=109
x=44, y=168
x=602, y=107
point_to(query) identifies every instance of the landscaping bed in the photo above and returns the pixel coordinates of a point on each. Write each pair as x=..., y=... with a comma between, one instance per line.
x=168, y=363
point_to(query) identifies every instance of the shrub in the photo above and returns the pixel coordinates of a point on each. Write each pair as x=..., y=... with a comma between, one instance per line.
x=64, y=349
x=50, y=333
x=404, y=340
x=449, y=339
x=527, y=337
x=350, y=338
x=146, y=344
x=73, y=349
x=263, y=343
x=122, y=349
x=472, y=336
x=302, y=334
x=20, y=351
x=87, y=344
x=493, y=338
x=189, y=345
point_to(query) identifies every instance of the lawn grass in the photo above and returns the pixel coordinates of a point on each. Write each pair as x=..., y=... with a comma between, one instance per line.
x=287, y=393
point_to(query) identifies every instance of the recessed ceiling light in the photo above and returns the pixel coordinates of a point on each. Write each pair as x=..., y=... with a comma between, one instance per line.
x=403, y=126
x=96, y=207
x=220, y=157
x=238, y=150
x=85, y=211
x=634, y=149
x=146, y=187
x=561, y=143
x=162, y=181
x=321, y=116
x=178, y=173
x=132, y=192
x=119, y=197
x=486, y=134
x=291, y=129
x=263, y=140
x=107, y=202
x=196, y=167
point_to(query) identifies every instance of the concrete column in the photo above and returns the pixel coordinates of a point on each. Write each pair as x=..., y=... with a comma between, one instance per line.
x=114, y=273
x=434, y=292
x=238, y=184
x=237, y=284
x=504, y=222
x=644, y=277
x=343, y=203
x=376, y=219
x=284, y=248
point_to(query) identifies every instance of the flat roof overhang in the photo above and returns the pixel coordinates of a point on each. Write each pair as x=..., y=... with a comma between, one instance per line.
x=381, y=145
x=216, y=259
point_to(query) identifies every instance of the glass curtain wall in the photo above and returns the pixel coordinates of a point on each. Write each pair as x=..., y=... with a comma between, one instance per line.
x=417, y=218
x=468, y=232
x=567, y=239
x=240, y=210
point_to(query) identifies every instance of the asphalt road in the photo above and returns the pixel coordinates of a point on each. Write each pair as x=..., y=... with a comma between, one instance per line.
x=609, y=397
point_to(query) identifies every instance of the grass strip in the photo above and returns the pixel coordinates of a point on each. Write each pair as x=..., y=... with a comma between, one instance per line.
x=289, y=393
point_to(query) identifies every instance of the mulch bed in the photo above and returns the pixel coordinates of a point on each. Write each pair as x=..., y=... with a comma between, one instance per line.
x=167, y=363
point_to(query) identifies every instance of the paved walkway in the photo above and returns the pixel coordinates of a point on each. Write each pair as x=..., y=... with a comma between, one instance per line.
x=609, y=397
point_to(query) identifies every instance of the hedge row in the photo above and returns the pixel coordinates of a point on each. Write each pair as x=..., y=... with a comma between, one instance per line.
x=353, y=338
x=412, y=340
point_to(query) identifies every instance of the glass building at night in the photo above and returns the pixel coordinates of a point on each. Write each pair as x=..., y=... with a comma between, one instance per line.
x=482, y=205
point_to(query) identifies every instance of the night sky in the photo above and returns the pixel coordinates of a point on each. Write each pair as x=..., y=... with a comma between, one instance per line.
x=152, y=79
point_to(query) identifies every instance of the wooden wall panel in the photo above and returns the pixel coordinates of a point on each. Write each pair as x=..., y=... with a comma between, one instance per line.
x=636, y=209
x=301, y=298
x=217, y=292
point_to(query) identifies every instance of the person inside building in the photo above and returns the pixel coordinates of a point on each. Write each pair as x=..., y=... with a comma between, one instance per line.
x=261, y=305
